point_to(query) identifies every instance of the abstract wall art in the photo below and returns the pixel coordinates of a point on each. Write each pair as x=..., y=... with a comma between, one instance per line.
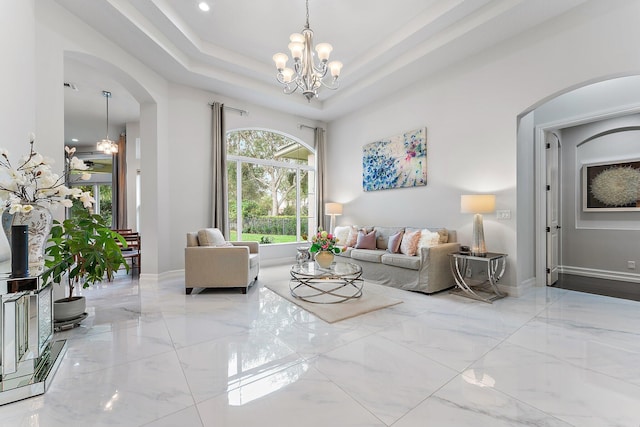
x=396, y=162
x=611, y=186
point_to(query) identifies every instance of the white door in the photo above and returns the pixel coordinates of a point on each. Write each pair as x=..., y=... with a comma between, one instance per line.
x=553, y=206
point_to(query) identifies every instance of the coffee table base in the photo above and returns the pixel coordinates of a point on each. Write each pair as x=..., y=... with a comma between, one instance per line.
x=328, y=294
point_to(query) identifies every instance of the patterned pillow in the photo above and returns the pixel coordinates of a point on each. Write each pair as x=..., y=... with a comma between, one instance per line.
x=352, y=238
x=409, y=245
x=394, y=242
x=366, y=240
x=428, y=238
x=342, y=234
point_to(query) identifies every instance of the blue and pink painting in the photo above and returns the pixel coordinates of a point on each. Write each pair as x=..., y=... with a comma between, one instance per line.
x=396, y=162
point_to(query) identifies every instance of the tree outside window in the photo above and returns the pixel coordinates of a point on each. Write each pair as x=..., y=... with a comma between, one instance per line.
x=271, y=177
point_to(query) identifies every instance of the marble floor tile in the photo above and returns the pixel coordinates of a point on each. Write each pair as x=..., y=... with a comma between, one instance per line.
x=463, y=403
x=384, y=377
x=150, y=355
x=228, y=363
x=445, y=342
x=581, y=397
x=298, y=396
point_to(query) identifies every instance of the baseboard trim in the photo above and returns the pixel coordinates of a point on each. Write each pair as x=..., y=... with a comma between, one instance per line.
x=600, y=274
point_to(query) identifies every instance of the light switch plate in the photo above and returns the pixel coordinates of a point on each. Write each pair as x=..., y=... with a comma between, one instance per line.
x=503, y=214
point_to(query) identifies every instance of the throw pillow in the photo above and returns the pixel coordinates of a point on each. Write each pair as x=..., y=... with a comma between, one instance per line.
x=366, y=240
x=342, y=234
x=444, y=235
x=352, y=238
x=409, y=245
x=428, y=238
x=211, y=237
x=394, y=242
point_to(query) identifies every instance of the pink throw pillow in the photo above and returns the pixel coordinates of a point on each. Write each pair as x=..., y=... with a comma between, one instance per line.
x=409, y=245
x=366, y=240
x=394, y=242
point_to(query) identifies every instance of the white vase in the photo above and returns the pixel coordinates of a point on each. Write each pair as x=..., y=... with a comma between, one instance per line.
x=324, y=259
x=39, y=221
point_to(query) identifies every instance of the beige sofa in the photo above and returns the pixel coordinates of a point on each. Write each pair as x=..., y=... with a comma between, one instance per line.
x=428, y=271
x=211, y=263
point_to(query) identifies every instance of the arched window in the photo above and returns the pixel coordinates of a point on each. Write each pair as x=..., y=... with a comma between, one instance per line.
x=271, y=184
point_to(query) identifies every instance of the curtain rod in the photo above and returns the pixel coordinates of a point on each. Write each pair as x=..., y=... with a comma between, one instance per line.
x=300, y=126
x=242, y=112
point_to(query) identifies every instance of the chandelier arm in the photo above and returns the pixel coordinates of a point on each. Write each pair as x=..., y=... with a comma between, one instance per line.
x=333, y=85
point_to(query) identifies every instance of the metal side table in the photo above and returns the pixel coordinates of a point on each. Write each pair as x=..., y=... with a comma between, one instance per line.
x=28, y=356
x=487, y=291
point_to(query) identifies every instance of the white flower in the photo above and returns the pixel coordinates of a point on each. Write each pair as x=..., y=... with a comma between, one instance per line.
x=77, y=164
x=67, y=203
x=86, y=199
x=70, y=151
x=32, y=182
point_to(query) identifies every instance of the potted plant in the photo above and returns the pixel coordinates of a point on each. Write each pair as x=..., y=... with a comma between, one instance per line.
x=83, y=250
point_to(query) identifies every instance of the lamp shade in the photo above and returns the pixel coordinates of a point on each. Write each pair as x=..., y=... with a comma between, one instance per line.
x=333, y=208
x=477, y=203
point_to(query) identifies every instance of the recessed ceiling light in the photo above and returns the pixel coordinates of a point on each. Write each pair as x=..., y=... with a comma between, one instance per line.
x=204, y=6
x=74, y=139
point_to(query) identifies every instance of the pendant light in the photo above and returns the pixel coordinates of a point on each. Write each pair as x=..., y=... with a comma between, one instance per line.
x=106, y=145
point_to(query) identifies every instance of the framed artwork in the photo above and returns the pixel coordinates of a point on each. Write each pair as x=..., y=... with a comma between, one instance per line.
x=611, y=186
x=396, y=162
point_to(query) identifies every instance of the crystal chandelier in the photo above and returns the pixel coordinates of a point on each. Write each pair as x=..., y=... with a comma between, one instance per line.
x=306, y=75
x=106, y=145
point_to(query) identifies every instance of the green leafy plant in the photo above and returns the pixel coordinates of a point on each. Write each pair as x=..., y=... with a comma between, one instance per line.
x=86, y=249
x=265, y=240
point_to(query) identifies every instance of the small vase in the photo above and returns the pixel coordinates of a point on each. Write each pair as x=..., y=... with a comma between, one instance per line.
x=324, y=259
x=39, y=221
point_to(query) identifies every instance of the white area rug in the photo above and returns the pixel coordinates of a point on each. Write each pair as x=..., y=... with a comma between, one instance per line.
x=372, y=299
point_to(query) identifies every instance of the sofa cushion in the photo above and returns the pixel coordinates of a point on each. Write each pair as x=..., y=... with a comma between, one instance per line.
x=352, y=238
x=383, y=234
x=192, y=239
x=394, y=242
x=254, y=260
x=371, y=255
x=366, y=240
x=401, y=260
x=428, y=238
x=409, y=245
x=342, y=234
x=211, y=237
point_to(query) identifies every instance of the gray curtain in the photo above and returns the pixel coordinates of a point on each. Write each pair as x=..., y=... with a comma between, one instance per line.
x=120, y=175
x=219, y=216
x=320, y=143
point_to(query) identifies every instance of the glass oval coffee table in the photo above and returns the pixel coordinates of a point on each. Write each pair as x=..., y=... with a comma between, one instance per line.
x=339, y=283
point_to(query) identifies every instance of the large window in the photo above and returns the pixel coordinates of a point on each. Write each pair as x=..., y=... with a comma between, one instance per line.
x=271, y=187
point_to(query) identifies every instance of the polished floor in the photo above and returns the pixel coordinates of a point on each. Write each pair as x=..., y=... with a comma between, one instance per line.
x=594, y=285
x=149, y=355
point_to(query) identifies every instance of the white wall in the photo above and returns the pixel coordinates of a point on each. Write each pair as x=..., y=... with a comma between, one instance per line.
x=470, y=111
x=190, y=153
x=59, y=34
x=17, y=75
x=133, y=165
x=602, y=241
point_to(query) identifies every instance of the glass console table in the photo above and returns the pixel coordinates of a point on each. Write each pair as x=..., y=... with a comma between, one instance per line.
x=28, y=356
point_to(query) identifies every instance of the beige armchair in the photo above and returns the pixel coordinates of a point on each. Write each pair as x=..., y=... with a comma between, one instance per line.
x=212, y=262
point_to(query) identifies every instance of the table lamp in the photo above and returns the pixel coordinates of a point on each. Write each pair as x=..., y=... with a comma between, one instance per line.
x=333, y=210
x=478, y=204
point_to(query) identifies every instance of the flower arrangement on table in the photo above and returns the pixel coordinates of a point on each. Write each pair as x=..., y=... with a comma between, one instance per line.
x=32, y=182
x=323, y=241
